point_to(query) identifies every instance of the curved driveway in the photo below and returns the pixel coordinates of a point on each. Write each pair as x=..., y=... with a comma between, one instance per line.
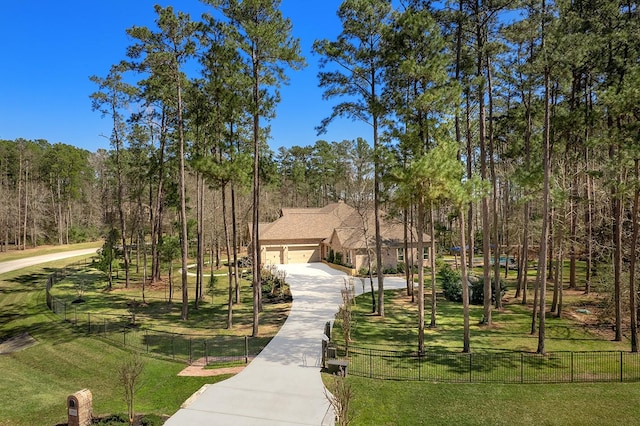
x=282, y=385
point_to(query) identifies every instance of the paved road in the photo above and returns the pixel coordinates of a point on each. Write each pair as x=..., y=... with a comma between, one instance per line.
x=12, y=265
x=282, y=385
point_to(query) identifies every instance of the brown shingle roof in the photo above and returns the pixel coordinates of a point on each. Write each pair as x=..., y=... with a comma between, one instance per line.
x=392, y=232
x=320, y=223
x=313, y=223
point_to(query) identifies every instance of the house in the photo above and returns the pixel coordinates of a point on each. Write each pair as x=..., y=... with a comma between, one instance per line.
x=304, y=235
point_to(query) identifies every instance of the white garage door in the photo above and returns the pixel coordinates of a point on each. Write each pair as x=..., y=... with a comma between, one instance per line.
x=272, y=256
x=304, y=254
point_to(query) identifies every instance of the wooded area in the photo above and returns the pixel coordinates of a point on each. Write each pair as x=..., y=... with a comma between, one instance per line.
x=513, y=127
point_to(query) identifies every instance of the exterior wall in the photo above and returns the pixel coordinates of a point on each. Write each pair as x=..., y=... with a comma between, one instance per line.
x=390, y=256
x=285, y=251
x=359, y=258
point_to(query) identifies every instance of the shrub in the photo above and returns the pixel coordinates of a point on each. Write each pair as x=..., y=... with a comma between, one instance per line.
x=452, y=287
x=151, y=420
x=401, y=267
x=331, y=256
x=390, y=270
x=113, y=420
x=451, y=283
x=476, y=291
x=338, y=258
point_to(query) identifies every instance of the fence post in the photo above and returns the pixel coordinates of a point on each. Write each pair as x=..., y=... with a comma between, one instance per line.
x=173, y=348
x=571, y=367
x=246, y=349
x=124, y=337
x=190, y=352
x=470, y=368
x=89, y=323
x=521, y=367
x=621, y=372
x=370, y=363
x=206, y=356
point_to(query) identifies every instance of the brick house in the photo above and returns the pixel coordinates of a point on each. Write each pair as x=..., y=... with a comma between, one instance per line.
x=305, y=235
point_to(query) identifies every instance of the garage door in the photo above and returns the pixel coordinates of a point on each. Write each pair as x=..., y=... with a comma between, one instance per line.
x=272, y=256
x=304, y=254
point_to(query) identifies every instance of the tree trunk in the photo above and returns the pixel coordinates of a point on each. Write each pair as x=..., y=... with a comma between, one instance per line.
x=470, y=228
x=257, y=286
x=19, y=213
x=184, y=237
x=121, y=216
x=633, y=297
x=199, y=239
x=228, y=249
x=421, y=214
x=235, y=244
x=26, y=205
x=157, y=212
x=544, y=234
x=573, y=229
x=616, y=207
x=482, y=143
x=407, y=256
x=494, y=201
x=465, y=288
x=432, y=261
x=170, y=281
x=376, y=212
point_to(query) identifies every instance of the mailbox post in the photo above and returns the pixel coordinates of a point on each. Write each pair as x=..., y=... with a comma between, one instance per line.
x=80, y=408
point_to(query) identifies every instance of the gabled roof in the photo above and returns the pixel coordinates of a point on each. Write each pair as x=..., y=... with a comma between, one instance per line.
x=392, y=233
x=311, y=223
x=337, y=219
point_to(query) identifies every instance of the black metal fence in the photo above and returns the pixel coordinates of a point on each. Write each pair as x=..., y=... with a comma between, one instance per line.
x=119, y=329
x=507, y=367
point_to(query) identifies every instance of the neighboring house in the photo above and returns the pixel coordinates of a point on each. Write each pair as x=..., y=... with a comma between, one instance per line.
x=305, y=235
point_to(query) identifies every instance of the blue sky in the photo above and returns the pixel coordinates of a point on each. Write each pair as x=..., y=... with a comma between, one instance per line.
x=50, y=48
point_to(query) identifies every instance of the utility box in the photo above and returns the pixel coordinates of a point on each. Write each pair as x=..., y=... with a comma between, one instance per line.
x=80, y=408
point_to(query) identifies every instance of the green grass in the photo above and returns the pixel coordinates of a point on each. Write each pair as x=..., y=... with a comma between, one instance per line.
x=37, y=381
x=224, y=364
x=418, y=403
x=397, y=330
x=396, y=402
x=156, y=311
x=158, y=325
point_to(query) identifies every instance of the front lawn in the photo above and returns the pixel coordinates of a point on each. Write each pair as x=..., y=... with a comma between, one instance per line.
x=36, y=381
x=383, y=402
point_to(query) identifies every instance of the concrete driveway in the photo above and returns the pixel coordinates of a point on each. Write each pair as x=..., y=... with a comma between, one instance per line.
x=282, y=385
x=12, y=265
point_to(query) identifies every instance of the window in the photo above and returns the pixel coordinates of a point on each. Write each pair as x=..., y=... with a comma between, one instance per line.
x=401, y=255
x=425, y=253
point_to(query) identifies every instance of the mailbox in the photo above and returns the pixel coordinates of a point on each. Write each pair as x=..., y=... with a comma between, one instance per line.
x=80, y=408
